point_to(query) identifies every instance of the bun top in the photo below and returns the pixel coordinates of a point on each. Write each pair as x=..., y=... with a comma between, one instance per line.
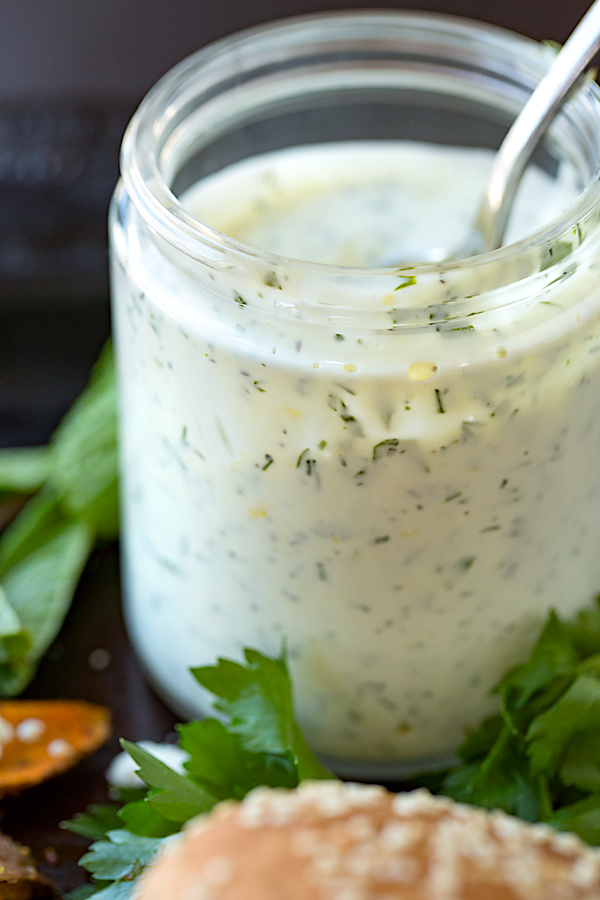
x=333, y=841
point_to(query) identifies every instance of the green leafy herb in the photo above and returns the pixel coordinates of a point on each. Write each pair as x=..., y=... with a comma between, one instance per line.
x=175, y=797
x=407, y=280
x=117, y=861
x=257, y=698
x=540, y=757
x=39, y=589
x=96, y=822
x=259, y=744
x=24, y=470
x=44, y=550
x=84, y=474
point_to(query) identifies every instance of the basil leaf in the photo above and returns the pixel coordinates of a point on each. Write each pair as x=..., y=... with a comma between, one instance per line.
x=15, y=641
x=84, y=449
x=25, y=469
x=40, y=589
x=39, y=521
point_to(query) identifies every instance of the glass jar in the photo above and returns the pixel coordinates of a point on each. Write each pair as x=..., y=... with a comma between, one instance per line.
x=393, y=471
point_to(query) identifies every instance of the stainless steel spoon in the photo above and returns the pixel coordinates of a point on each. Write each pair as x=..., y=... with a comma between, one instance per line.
x=521, y=139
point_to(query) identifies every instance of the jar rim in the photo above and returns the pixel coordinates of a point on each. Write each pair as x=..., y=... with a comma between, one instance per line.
x=160, y=207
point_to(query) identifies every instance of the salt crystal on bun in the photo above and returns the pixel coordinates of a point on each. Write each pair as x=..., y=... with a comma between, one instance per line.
x=333, y=841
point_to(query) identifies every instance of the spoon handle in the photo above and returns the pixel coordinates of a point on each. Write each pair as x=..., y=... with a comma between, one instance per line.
x=521, y=139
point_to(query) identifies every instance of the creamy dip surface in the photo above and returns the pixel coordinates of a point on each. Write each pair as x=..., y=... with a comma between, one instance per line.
x=400, y=504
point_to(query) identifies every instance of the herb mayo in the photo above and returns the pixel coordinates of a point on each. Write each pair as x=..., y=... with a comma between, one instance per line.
x=394, y=472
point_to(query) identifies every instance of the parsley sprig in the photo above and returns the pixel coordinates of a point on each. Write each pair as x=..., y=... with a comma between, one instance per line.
x=539, y=758
x=259, y=743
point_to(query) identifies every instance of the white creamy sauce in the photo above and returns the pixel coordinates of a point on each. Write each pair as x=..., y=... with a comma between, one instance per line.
x=401, y=506
x=354, y=205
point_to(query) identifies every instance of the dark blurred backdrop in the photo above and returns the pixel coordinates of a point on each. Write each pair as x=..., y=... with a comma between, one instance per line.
x=71, y=74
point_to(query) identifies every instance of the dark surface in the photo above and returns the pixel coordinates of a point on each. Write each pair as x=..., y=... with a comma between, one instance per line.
x=94, y=622
x=71, y=74
x=120, y=47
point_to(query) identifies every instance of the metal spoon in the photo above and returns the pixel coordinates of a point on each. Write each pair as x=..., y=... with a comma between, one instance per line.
x=521, y=139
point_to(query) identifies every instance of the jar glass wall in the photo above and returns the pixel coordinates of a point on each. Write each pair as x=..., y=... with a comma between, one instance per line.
x=393, y=470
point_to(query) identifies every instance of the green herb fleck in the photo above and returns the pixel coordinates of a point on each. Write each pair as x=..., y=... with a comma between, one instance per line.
x=239, y=299
x=556, y=253
x=385, y=448
x=271, y=280
x=299, y=462
x=438, y=397
x=407, y=281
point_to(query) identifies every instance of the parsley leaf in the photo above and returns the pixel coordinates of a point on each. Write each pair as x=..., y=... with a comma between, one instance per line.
x=139, y=817
x=553, y=655
x=176, y=797
x=257, y=698
x=584, y=630
x=119, y=859
x=501, y=780
x=549, y=734
x=95, y=822
x=580, y=766
x=540, y=758
x=582, y=817
x=261, y=744
x=219, y=761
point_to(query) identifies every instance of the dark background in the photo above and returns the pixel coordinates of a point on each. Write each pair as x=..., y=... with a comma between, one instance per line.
x=71, y=74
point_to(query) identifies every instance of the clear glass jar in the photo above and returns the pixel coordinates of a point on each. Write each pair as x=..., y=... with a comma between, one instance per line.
x=397, y=483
